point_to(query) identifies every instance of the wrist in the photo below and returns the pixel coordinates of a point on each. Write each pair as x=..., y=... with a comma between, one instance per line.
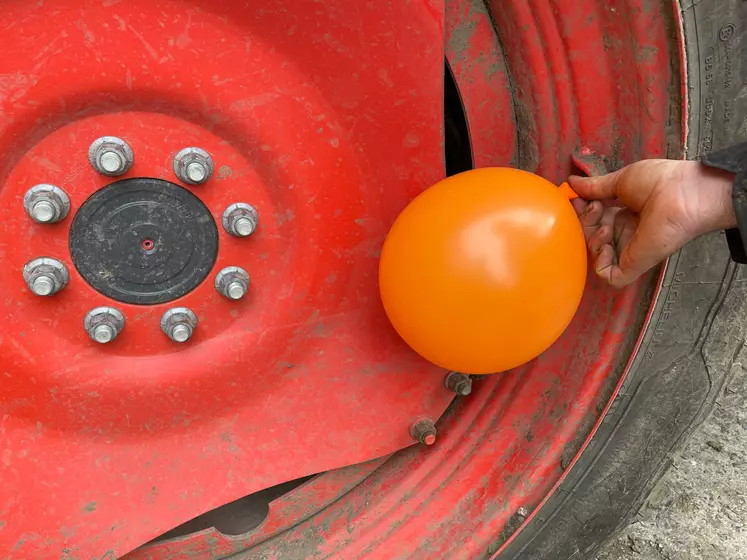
x=714, y=187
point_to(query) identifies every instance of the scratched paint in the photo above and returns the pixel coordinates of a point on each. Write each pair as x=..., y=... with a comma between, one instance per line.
x=501, y=450
x=303, y=376
x=353, y=134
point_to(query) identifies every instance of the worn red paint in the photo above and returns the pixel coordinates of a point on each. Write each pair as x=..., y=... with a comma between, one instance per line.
x=286, y=511
x=500, y=448
x=475, y=57
x=80, y=474
x=104, y=448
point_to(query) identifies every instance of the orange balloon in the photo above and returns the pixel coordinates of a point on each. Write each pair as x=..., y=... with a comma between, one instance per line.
x=483, y=271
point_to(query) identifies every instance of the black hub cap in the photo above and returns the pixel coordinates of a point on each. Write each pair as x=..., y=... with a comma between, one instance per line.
x=144, y=241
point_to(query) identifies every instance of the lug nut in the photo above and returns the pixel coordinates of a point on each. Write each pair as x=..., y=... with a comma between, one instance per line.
x=179, y=324
x=110, y=156
x=424, y=431
x=46, y=204
x=460, y=383
x=104, y=324
x=193, y=166
x=232, y=282
x=240, y=219
x=45, y=276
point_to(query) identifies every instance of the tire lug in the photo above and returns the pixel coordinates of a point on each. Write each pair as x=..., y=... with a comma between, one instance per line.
x=179, y=324
x=460, y=383
x=240, y=219
x=232, y=282
x=424, y=431
x=193, y=166
x=46, y=204
x=110, y=156
x=104, y=324
x=45, y=276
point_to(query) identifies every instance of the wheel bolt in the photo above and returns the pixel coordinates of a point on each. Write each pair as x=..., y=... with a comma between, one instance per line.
x=193, y=166
x=424, y=431
x=196, y=172
x=232, y=282
x=42, y=285
x=110, y=162
x=240, y=219
x=110, y=156
x=46, y=204
x=45, y=276
x=103, y=334
x=460, y=383
x=42, y=211
x=179, y=324
x=104, y=324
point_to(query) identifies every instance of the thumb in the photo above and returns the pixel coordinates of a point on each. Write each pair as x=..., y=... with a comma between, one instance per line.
x=595, y=188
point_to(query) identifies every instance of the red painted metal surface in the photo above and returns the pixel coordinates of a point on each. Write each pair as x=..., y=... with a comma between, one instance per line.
x=474, y=54
x=104, y=448
x=340, y=111
x=284, y=512
x=500, y=449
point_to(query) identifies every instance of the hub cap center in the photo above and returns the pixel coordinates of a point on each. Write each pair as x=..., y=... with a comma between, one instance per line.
x=144, y=241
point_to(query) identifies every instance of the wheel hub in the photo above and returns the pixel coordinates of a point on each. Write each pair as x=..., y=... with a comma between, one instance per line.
x=144, y=241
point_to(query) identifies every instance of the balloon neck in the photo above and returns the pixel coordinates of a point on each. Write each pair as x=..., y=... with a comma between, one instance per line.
x=566, y=189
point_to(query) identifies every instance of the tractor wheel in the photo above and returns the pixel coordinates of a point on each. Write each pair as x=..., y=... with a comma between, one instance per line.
x=193, y=195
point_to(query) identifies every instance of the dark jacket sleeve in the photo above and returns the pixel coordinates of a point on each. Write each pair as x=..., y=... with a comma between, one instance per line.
x=734, y=160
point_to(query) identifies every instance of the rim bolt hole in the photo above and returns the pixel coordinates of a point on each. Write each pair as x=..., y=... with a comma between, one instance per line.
x=148, y=244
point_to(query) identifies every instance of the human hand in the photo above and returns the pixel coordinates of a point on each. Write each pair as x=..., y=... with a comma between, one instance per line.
x=638, y=216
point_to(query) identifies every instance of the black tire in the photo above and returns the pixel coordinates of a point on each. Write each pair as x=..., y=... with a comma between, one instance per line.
x=695, y=333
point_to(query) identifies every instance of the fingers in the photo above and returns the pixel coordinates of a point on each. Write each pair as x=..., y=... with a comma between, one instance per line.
x=608, y=264
x=654, y=223
x=626, y=222
x=579, y=205
x=642, y=246
x=603, y=234
x=597, y=223
x=651, y=243
x=589, y=214
x=592, y=214
x=596, y=188
x=633, y=184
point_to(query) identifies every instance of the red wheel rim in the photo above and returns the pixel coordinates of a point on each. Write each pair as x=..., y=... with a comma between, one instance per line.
x=328, y=165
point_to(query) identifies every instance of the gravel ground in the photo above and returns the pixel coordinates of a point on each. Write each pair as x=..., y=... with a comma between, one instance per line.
x=699, y=509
